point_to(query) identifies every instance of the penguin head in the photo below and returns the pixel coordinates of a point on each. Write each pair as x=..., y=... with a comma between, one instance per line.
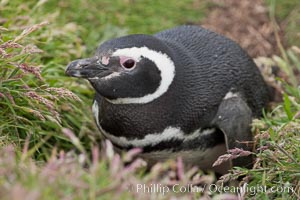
x=130, y=69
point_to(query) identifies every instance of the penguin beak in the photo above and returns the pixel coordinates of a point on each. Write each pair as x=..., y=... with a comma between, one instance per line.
x=86, y=68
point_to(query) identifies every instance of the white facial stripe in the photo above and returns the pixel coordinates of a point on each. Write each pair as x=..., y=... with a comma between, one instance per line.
x=230, y=95
x=153, y=139
x=112, y=75
x=94, y=78
x=164, y=64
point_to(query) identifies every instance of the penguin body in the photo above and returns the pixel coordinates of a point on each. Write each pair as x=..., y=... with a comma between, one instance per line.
x=185, y=92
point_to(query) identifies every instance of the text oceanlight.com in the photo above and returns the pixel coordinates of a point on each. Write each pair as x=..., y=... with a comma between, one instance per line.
x=213, y=188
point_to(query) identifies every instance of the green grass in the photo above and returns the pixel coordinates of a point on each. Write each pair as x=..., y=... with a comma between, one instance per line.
x=288, y=14
x=48, y=140
x=96, y=21
x=63, y=37
x=35, y=104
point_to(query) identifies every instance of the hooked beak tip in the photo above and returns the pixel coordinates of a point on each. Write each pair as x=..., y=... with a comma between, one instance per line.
x=73, y=69
x=85, y=68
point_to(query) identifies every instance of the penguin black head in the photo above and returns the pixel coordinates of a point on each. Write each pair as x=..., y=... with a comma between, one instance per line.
x=130, y=69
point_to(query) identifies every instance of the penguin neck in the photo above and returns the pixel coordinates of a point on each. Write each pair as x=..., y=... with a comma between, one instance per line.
x=184, y=98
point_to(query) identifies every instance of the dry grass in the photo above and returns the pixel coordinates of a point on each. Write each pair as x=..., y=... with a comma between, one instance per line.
x=246, y=22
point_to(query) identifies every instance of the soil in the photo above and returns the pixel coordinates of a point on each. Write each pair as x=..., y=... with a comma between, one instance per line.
x=248, y=23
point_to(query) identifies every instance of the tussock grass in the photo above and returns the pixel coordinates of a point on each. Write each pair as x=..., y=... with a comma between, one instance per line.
x=32, y=108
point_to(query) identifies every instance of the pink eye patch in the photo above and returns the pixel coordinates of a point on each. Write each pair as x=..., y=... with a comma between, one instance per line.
x=105, y=60
x=127, y=62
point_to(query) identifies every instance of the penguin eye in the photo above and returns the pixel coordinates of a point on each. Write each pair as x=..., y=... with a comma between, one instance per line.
x=128, y=63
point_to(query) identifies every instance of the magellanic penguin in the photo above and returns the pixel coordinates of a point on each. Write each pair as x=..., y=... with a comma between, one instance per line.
x=185, y=92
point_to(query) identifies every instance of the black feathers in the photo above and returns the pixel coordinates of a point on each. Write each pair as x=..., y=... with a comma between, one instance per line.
x=209, y=70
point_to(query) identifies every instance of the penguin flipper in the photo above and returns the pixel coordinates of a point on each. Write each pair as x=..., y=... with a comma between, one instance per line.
x=233, y=119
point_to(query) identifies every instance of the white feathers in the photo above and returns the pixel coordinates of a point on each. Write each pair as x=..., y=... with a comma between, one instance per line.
x=193, y=157
x=164, y=64
x=230, y=95
x=152, y=139
x=95, y=110
x=112, y=75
